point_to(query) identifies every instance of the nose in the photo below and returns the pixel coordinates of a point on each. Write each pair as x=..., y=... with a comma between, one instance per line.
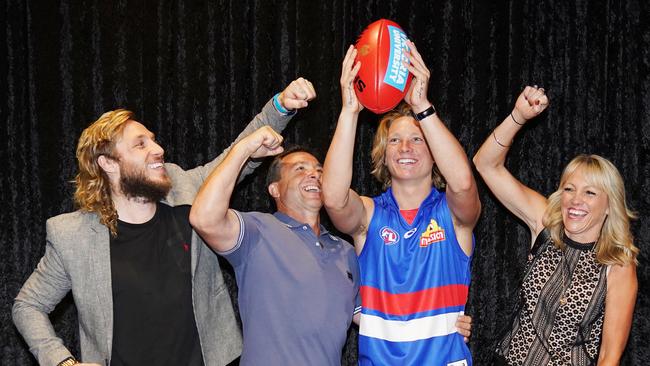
x=576, y=199
x=157, y=149
x=405, y=145
x=315, y=173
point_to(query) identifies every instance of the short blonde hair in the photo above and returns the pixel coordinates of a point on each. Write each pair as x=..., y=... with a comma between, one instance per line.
x=378, y=154
x=616, y=242
x=93, y=192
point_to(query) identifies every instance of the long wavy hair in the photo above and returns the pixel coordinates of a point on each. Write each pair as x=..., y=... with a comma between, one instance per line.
x=93, y=192
x=616, y=242
x=378, y=154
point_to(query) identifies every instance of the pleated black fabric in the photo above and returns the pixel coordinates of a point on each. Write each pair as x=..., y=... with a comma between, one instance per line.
x=196, y=71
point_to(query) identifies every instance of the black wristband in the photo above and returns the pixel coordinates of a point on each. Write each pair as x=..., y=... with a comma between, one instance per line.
x=425, y=113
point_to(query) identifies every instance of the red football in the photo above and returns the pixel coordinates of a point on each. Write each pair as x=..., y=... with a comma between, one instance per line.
x=382, y=80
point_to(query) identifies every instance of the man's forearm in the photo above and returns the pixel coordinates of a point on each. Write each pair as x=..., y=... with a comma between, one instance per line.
x=268, y=116
x=209, y=214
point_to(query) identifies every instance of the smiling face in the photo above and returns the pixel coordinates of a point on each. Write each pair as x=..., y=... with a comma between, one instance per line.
x=407, y=154
x=584, y=207
x=141, y=164
x=299, y=187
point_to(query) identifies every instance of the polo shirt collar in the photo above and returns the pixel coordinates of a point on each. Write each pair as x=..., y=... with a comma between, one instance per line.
x=295, y=224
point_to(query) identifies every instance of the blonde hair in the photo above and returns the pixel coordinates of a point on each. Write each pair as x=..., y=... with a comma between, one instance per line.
x=616, y=243
x=378, y=154
x=93, y=192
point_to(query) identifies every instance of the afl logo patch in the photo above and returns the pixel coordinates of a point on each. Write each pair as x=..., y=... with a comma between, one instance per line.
x=388, y=235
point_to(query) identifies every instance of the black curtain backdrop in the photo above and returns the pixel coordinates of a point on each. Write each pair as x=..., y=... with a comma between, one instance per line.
x=195, y=72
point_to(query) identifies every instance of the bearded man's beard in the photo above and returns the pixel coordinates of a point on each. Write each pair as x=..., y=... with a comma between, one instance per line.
x=135, y=184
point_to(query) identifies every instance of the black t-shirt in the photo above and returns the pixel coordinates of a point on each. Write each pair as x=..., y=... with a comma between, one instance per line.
x=153, y=318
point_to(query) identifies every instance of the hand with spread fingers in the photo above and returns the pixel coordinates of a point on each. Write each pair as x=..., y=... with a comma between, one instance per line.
x=530, y=103
x=416, y=96
x=297, y=94
x=349, y=71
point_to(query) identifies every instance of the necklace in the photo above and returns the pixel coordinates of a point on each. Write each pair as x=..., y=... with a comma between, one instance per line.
x=564, y=264
x=566, y=278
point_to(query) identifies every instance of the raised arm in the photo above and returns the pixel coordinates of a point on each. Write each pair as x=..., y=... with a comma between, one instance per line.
x=276, y=113
x=348, y=211
x=449, y=156
x=523, y=202
x=210, y=215
x=622, y=288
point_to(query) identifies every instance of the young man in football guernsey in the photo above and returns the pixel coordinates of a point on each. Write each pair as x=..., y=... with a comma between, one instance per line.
x=415, y=240
x=147, y=290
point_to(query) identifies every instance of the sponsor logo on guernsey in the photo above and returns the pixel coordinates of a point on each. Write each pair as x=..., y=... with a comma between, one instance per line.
x=396, y=73
x=388, y=235
x=433, y=234
x=458, y=363
x=410, y=233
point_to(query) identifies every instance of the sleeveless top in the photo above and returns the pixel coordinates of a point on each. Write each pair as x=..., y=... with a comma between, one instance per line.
x=414, y=284
x=561, y=308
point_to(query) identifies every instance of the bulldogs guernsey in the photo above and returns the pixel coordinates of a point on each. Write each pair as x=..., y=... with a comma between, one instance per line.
x=415, y=279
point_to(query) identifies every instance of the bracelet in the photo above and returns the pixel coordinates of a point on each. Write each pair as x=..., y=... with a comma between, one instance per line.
x=68, y=362
x=497, y=140
x=514, y=120
x=424, y=114
x=278, y=106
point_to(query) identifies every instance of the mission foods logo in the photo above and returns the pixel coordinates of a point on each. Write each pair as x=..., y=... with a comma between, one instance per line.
x=433, y=234
x=388, y=235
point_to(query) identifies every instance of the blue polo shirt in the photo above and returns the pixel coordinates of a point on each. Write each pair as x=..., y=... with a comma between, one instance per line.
x=297, y=291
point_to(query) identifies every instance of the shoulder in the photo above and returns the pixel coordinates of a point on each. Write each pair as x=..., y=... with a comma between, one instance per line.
x=617, y=272
x=437, y=198
x=346, y=248
x=175, y=173
x=71, y=221
x=382, y=200
x=257, y=219
x=338, y=239
x=73, y=227
x=258, y=216
x=173, y=168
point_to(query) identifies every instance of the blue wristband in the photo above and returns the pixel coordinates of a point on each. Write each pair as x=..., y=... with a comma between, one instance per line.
x=278, y=106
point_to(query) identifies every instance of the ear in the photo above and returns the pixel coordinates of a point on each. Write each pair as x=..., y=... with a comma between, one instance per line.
x=108, y=165
x=273, y=189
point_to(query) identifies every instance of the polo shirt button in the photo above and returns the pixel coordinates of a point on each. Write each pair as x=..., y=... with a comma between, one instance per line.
x=304, y=227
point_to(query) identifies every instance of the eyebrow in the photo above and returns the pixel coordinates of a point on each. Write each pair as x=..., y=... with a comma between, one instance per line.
x=319, y=165
x=150, y=135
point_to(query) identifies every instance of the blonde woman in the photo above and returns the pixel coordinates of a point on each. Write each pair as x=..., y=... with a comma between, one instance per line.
x=580, y=285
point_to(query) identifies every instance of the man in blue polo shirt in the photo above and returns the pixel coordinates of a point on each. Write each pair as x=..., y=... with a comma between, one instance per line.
x=298, y=284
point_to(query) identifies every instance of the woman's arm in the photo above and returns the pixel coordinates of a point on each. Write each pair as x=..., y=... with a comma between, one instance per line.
x=523, y=202
x=619, y=307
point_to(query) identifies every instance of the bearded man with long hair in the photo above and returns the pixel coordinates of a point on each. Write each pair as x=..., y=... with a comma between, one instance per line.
x=147, y=290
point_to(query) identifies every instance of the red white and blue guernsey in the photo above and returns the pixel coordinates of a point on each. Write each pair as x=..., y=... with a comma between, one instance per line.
x=414, y=285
